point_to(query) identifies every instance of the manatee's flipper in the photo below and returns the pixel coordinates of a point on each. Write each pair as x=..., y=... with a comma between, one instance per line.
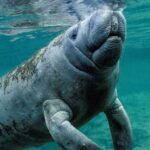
x=120, y=126
x=57, y=116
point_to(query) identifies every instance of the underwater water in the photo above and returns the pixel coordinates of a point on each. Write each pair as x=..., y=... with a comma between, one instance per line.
x=134, y=83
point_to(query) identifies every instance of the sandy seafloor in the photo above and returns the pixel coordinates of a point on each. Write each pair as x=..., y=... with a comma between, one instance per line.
x=134, y=83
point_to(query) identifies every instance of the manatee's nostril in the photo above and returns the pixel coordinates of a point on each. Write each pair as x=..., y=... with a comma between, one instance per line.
x=73, y=36
x=74, y=33
x=114, y=25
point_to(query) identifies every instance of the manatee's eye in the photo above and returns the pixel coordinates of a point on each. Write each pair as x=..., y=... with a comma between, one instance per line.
x=74, y=33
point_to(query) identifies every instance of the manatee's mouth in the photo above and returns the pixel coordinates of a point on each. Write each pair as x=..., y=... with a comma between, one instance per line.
x=108, y=54
x=104, y=58
x=114, y=36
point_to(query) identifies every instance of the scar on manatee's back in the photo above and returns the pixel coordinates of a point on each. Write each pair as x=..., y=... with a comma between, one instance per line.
x=23, y=72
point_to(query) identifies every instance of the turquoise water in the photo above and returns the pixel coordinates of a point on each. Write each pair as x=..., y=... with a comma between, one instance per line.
x=134, y=84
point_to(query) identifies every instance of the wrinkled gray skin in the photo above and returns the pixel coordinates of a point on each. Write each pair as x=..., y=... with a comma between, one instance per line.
x=64, y=86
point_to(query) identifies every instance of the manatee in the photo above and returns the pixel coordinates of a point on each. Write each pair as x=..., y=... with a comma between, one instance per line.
x=66, y=84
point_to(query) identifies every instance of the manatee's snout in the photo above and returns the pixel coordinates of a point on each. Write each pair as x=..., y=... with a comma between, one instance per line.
x=100, y=37
x=102, y=25
x=109, y=52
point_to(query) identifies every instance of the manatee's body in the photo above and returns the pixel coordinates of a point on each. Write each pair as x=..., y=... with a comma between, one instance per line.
x=75, y=77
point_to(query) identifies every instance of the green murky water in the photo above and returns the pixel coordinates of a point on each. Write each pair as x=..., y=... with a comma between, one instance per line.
x=134, y=84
